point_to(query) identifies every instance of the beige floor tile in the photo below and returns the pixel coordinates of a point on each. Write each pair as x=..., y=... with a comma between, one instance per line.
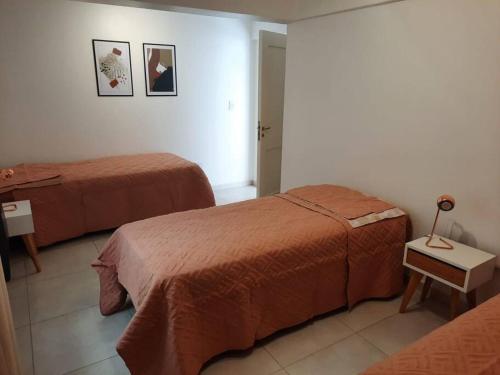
x=100, y=239
x=18, y=253
x=76, y=340
x=226, y=196
x=439, y=301
x=23, y=336
x=15, y=281
x=63, y=259
x=297, y=344
x=18, y=267
x=392, y=334
x=280, y=372
x=110, y=366
x=369, y=312
x=62, y=295
x=18, y=297
x=347, y=357
x=257, y=362
x=439, y=304
x=98, y=236
x=99, y=244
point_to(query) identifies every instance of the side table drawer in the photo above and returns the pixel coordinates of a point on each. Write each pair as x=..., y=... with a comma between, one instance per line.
x=436, y=267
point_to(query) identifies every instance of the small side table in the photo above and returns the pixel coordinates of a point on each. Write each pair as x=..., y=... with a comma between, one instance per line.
x=463, y=269
x=19, y=222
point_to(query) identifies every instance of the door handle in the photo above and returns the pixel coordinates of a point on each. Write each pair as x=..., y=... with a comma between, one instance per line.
x=263, y=128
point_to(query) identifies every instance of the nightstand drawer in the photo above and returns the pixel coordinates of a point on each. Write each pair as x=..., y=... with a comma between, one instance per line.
x=436, y=267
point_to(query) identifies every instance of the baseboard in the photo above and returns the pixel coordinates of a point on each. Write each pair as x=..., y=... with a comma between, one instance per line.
x=234, y=185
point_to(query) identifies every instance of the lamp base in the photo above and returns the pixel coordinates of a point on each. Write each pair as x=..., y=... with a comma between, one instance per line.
x=446, y=246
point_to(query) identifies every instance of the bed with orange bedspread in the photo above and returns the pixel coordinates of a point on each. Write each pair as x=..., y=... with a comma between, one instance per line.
x=207, y=281
x=71, y=199
x=469, y=345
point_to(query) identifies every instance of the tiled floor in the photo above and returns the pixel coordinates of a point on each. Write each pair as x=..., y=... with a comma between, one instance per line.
x=225, y=196
x=60, y=329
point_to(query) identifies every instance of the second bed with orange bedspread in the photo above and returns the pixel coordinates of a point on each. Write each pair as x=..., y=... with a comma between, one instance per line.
x=217, y=279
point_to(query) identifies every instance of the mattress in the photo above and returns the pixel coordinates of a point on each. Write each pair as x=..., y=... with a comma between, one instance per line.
x=469, y=345
x=207, y=281
x=105, y=193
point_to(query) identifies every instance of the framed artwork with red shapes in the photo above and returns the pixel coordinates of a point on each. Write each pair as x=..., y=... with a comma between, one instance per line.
x=113, y=68
x=160, y=69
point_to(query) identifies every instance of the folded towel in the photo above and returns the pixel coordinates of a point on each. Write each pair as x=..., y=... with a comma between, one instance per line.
x=31, y=175
x=356, y=208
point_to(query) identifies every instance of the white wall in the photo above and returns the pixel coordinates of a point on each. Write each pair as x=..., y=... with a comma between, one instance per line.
x=401, y=101
x=49, y=109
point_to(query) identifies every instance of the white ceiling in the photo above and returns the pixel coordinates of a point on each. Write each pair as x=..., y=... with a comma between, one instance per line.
x=313, y=8
x=274, y=10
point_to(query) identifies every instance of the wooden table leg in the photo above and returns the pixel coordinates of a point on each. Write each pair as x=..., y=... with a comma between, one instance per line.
x=471, y=299
x=29, y=242
x=454, y=303
x=426, y=288
x=410, y=290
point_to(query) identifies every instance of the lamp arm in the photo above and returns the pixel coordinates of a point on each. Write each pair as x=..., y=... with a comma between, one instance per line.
x=435, y=222
x=446, y=245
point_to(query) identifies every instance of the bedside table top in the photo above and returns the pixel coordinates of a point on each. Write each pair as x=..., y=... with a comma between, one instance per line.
x=23, y=209
x=461, y=256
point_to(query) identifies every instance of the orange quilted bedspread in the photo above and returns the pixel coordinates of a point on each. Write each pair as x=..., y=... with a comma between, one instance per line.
x=207, y=281
x=469, y=345
x=105, y=193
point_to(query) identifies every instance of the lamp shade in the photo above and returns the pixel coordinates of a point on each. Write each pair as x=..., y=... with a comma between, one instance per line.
x=446, y=202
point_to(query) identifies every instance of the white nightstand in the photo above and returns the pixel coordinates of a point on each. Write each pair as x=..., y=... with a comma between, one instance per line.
x=19, y=222
x=463, y=269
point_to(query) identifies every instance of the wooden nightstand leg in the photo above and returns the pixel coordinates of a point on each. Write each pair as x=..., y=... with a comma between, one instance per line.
x=471, y=299
x=426, y=288
x=410, y=290
x=29, y=242
x=454, y=303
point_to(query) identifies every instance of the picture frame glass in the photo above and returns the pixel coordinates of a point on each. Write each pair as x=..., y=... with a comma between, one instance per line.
x=160, y=69
x=113, y=68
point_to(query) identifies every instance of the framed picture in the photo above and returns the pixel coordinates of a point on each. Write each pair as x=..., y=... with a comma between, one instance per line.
x=160, y=69
x=113, y=69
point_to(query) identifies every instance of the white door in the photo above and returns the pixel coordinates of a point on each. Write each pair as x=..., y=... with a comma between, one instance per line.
x=272, y=57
